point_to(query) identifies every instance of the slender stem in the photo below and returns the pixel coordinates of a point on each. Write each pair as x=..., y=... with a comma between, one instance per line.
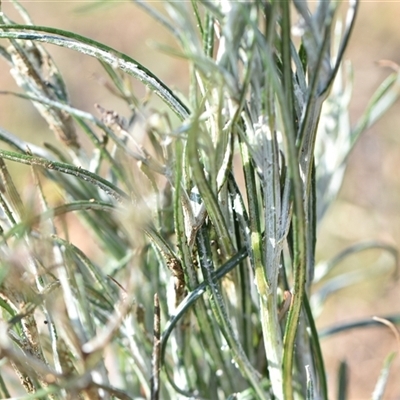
x=207, y=195
x=156, y=359
x=299, y=233
x=220, y=313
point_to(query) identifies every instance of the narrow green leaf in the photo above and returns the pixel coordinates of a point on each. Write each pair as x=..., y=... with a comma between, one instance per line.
x=81, y=173
x=343, y=381
x=101, y=52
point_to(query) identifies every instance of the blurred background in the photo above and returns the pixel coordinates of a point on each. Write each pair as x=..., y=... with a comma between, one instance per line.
x=368, y=206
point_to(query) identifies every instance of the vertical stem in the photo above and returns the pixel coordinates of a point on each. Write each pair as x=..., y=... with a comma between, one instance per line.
x=298, y=219
x=268, y=314
x=219, y=311
x=156, y=359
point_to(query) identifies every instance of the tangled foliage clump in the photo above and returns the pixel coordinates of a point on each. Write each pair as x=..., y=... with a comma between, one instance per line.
x=201, y=287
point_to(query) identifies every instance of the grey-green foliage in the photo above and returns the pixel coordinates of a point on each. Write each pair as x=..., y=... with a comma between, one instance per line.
x=226, y=268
